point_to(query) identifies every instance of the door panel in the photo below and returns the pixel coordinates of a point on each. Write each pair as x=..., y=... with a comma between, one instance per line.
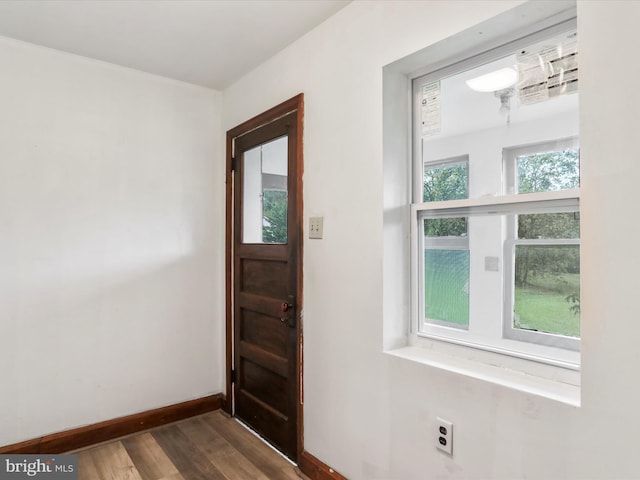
x=271, y=338
x=265, y=277
x=266, y=282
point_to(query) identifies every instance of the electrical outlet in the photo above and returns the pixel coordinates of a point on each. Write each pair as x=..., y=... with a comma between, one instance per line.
x=444, y=435
x=315, y=227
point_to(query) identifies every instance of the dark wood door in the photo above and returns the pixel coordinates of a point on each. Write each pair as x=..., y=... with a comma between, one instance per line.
x=266, y=281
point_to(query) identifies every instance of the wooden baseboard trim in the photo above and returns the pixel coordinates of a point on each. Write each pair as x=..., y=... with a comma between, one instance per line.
x=100, y=432
x=317, y=470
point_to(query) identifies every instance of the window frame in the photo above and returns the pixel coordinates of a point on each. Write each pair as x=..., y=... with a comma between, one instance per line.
x=551, y=353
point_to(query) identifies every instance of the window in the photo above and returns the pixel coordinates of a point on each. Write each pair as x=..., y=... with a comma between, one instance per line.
x=445, y=180
x=495, y=213
x=542, y=304
x=446, y=271
x=265, y=196
x=446, y=249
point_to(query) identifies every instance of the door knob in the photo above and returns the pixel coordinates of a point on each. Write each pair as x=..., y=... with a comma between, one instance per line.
x=287, y=314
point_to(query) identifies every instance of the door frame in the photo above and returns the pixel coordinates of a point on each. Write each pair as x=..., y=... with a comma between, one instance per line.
x=293, y=104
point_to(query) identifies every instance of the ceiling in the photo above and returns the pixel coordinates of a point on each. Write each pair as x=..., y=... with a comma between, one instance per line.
x=206, y=42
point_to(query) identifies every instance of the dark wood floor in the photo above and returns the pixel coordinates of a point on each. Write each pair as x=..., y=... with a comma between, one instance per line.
x=208, y=447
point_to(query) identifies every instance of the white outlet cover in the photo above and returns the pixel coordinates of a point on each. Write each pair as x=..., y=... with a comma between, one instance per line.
x=444, y=435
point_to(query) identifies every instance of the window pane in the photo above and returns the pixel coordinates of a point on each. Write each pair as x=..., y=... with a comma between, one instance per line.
x=549, y=225
x=446, y=271
x=544, y=172
x=445, y=227
x=264, y=200
x=547, y=289
x=446, y=286
x=445, y=182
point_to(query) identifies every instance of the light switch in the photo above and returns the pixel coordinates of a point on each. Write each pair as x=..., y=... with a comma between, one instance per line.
x=315, y=227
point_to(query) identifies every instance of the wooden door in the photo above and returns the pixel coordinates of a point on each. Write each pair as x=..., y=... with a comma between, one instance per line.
x=266, y=268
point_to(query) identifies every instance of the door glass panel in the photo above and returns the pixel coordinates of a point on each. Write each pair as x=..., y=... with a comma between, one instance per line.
x=265, y=199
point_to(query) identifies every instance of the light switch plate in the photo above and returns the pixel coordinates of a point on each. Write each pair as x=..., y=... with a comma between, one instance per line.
x=315, y=227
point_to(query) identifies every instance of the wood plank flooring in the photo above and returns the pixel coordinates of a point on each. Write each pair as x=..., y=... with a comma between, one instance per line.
x=207, y=447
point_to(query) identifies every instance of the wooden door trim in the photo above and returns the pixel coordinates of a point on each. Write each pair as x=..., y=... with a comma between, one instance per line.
x=293, y=104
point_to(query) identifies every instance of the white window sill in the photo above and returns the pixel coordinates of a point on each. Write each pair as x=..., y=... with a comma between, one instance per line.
x=557, y=390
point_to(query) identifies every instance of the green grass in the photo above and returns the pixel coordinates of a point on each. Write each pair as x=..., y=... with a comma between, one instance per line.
x=543, y=306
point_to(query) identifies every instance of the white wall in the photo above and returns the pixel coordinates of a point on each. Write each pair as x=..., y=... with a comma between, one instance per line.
x=111, y=241
x=366, y=413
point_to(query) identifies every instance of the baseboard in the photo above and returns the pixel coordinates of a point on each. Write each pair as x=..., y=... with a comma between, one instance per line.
x=100, y=432
x=317, y=470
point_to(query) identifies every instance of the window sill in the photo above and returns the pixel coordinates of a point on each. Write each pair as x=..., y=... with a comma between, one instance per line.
x=543, y=387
